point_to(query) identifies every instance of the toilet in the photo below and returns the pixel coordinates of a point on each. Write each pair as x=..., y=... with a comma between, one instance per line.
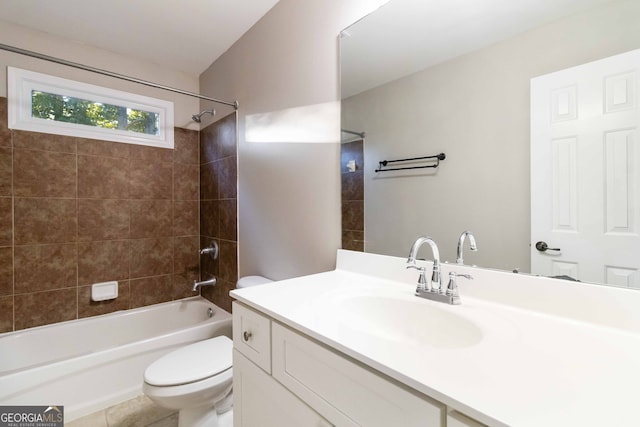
x=196, y=379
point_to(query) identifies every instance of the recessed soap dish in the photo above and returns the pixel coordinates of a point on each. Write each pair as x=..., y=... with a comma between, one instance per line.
x=104, y=291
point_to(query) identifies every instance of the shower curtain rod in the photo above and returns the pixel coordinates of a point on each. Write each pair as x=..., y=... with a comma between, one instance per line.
x=37, y=55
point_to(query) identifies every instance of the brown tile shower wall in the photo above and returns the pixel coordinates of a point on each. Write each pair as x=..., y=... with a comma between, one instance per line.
x=76, y=211
x=218, y=207
x=352, y=196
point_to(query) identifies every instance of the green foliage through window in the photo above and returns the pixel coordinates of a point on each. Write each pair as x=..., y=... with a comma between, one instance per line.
x=68, y=109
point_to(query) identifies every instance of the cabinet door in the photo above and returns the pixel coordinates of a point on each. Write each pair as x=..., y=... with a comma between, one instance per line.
x=260, y=401
x=345, y=392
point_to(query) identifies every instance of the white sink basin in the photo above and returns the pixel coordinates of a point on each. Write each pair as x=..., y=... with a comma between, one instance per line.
x=410, y=319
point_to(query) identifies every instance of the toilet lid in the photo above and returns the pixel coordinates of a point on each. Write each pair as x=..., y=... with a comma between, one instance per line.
x=194, y=362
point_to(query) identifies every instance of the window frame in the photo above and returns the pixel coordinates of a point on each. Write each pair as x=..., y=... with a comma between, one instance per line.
x=21, y=83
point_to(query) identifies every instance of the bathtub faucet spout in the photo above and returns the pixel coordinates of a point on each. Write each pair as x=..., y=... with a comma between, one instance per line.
x=209, y=282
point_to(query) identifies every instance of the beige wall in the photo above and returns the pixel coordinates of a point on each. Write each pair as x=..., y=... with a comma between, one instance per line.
x=21, y=37
x=288, y=192
x=476, y=110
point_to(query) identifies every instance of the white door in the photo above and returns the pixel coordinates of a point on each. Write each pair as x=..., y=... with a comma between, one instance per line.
x=585, y=164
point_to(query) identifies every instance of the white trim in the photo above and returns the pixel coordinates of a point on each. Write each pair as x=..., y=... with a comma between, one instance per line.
x=20, y=84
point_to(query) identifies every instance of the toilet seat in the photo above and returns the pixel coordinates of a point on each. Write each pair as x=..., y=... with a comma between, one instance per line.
x=205, y=392
x=192, y=363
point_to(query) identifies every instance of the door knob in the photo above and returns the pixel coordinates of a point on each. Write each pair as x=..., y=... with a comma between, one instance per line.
x=543, y=247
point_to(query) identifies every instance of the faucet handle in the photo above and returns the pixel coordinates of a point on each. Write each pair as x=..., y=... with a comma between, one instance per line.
x=452, y=287
x=422, y=279
x=212, y=250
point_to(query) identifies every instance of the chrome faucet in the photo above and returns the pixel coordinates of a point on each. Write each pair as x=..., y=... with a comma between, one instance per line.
x=212, y=250
x=472, y=245
x=436, y=281
x=210, y=282
x=434, y=291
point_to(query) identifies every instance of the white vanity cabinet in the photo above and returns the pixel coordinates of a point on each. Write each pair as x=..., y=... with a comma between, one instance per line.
x=344, y=391
x=356, y=347
x=283, y=378
x=252, y=336
x=258, y=399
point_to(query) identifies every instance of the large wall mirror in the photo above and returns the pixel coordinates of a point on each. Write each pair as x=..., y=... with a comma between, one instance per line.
x=422, y=78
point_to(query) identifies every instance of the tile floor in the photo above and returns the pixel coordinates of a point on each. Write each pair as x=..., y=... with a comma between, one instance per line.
x=137, y=412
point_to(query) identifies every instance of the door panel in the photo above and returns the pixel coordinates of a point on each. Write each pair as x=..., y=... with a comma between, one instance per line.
x=584, y=172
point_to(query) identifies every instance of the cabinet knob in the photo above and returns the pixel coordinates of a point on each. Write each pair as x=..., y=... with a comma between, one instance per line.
x=246, y=335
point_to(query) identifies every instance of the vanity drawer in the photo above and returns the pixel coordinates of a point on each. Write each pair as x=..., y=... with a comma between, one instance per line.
x=252, y=335
x=345, y=392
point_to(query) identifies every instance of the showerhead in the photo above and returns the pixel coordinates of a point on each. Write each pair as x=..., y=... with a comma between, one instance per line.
x=198, y=117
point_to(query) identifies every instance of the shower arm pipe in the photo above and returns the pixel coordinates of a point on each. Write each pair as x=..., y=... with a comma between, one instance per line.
x=60, y=61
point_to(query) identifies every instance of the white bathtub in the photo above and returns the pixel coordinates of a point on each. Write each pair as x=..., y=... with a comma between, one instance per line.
x=90, y=364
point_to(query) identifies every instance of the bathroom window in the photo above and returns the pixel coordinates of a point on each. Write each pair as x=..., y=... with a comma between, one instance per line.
x=43, y=103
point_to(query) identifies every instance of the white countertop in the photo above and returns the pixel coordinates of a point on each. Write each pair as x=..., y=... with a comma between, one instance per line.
x=527, y=367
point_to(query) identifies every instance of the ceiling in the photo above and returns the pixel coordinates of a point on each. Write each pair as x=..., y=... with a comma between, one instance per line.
x=184, y=35
x=405, y=36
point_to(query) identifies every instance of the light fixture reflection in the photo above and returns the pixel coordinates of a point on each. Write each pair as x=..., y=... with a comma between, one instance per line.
x=318, y=123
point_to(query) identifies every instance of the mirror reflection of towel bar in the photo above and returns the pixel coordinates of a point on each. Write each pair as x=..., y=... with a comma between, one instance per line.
x=351, y=132
x=437, y=158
